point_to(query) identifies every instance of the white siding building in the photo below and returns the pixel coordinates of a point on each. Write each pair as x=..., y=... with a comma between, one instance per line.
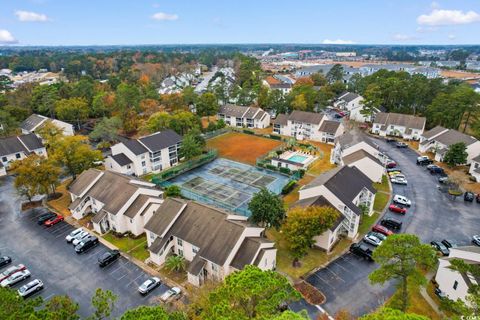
x=401, y=125
x=475, y=168
x=351, y=142
x=366, y=163
x=152, y=153
x=247, y=117
x=119, y=203
x=18, y=148
x=214, y=242
x=353, y=103
x=36, y=121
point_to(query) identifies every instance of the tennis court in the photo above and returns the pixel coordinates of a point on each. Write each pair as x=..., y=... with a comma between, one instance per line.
x=228, y=184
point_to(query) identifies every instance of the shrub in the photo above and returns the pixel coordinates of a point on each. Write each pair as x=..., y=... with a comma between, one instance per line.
x=289, y=187
x=279, y=152
x=271, y=167
x=301, y=172
x=260, y=164
x=275, y=137
x=285, y=170
x=248, y=131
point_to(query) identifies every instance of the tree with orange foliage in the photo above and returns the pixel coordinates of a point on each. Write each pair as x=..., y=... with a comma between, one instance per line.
x=304, y=81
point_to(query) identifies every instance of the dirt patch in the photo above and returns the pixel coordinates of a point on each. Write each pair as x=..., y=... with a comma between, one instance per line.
x=311, y=294
x=459, y=74
x=31, y=205
x=242, y=147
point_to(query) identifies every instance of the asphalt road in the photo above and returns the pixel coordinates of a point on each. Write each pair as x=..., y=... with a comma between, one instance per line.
x=50, y=258
x=432, y=216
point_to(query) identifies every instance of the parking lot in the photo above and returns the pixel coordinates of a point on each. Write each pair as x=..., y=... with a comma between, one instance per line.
x=432, y=216
x=50, y=258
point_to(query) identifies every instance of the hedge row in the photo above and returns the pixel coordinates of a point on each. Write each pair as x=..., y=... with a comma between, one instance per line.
x=289, y=187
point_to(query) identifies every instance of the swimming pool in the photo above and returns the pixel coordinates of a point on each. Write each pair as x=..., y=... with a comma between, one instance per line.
x=298, y=158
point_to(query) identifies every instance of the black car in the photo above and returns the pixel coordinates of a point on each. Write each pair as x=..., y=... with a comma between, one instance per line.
x=477, y=198
x=468, y=196
x=5, y=260
x=390, y=140
x=449, y=243
x=440, y=294
x=424, y=161
x=401, y=145
x=45, y=216
x=86, y=244
x=391, y=223
x=436, y=170
x=440, y=247
x=361, y=250
x=108, y=257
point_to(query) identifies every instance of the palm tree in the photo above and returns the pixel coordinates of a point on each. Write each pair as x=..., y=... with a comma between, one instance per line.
x=175, y=263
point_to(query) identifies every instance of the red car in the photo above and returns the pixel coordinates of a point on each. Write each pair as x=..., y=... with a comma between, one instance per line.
x=53, y=220
x=381, y=229
x=391, y=164
x=397, y=209
x=13, y=269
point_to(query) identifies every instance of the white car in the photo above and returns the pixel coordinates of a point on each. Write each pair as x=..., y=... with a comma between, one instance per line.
x=149, y=285
x=30, y=288
x=371, y=239
x=80, y=237
x=15, y=278
x=399, y=175
x=402, y=200
x=476, y=240
x=73, y=234
x=175, y=291
x=399, y=180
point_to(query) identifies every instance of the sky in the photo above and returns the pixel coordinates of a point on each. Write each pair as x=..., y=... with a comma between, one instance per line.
x=132, y=22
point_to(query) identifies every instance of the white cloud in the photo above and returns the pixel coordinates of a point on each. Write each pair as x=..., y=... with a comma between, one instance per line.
x=404, y=37
x=6, y=37
x=337, y=41
x=162, y=16
x=29, y=16
x=448, y=17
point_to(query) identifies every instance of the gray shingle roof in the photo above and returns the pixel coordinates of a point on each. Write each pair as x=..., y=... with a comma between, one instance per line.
x=348, y=97
x=232, y=110
x=22, y=143
x=136, y=205
x=433, y=132
x=31, y=141
x=329, y=126
x=32, y=122
x=161, y=140
x=136, y=147
x=453, y=136
x=352, y=138
x=168, y=211
x=121, y=159
x=247, y=251
x=357, y=155
x=306, y=117
x=404, y=120
x=281, y=119
x=196, y=265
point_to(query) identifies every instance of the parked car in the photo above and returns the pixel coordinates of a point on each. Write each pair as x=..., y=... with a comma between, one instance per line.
x=401, y=145
x=378, y=235
x=373, y=240
x=394, y=173
x=149, y=285
x=477, y=198
x=381, y=229
x=108, y=257
x=468, y=196
x=443, y=179
x=449, y=243
x=391, y=223
x=424, y=160
x=399, y=180
x=397, y=209
x=73, y=234
x=361, y=251
x=394, y=170
x=15, y=278
x=440, y=294
x=5, y=261
x=44, y=217
x=440, y=247
x=54, y=220
x=434, y=169
x=86, y=244
x=402, y=200
x=391, y=164
x=476, y=240
x=13, y=269
x=173, y=292
x=390, y=140
x=30, y=288
x=80, y=237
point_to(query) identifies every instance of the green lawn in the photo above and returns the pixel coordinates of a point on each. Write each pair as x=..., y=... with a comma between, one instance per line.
x=367, y=222
x=134, y=247
x=382, y=187
x=381, y=200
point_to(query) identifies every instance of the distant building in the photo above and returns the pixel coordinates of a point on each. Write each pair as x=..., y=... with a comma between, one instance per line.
x=240, y=116
x=152, y=153
x=20, y=147
x=274, y=83
x=400, y=125
x=353, y=103
x=36, y=121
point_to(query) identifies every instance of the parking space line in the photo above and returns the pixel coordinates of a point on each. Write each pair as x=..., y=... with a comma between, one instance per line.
x=133, y=280
x=340, y=266
x=126, y=274
x=48, y=297
x=325, y=282
x=337, y=277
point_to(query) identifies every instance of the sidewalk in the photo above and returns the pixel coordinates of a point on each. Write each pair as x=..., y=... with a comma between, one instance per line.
x=426, y=296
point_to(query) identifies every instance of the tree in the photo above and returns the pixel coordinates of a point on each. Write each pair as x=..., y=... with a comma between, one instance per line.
x=152, y=313
x=12, y=306
x=75, y=155
x=183, y=121
x=335, y=73
x=392, y=314
x=372, y=101
x=249, y=294
x=303, y=224
x=299, y=102
x=319, y=79
x=8, y=124
x=106, y=130
x=62, y=308
x=456, y=154
x=103, y=302
x=175, y=263
x=158, y=121
x=267, y=209
x=102, y=104
x=189, y=96
x=73, y=109
x=50, y=134
x=400, y=258
x=5, y=83
x=43, y=99
x=190, y=147
x=207, y=104
x=173, y=191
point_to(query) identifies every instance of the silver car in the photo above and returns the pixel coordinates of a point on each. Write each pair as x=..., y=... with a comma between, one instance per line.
x=80, y=237
x=399, y=180
x=149, y=285
x=16, y=278
x=175, y=291
x=73, y=234
x=30, y=288
x=373, y=240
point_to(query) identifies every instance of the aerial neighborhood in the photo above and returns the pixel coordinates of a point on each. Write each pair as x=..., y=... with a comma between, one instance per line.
x=240, y=181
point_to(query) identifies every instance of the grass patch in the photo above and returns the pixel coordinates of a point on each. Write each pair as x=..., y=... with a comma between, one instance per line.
x=381, y=200
x=134, y=247
x=384, y=186
x=417, y=304
x=61, y=204
x=313, y=259
x=292, y=197
x=322, y=164
x=367, y=222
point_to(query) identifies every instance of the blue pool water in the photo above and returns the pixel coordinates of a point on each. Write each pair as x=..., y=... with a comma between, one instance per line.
x=297, y=158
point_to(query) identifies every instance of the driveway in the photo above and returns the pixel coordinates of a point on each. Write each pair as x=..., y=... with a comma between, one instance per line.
x=432, y=216
x=50, y=258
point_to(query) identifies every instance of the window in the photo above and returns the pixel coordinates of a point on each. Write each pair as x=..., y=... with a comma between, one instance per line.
x=152, y=236
x=455, y=285
x=476, y=165
x=180, y=242
x=180, y=252
x=195, y=249
x=143, y=163
x=17, y=156
x=129, y=167
x=214, y=267
x=143, y=156
x=4, y=159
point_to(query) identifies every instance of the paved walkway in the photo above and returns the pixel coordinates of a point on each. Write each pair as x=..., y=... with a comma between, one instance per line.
x=426, y=296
